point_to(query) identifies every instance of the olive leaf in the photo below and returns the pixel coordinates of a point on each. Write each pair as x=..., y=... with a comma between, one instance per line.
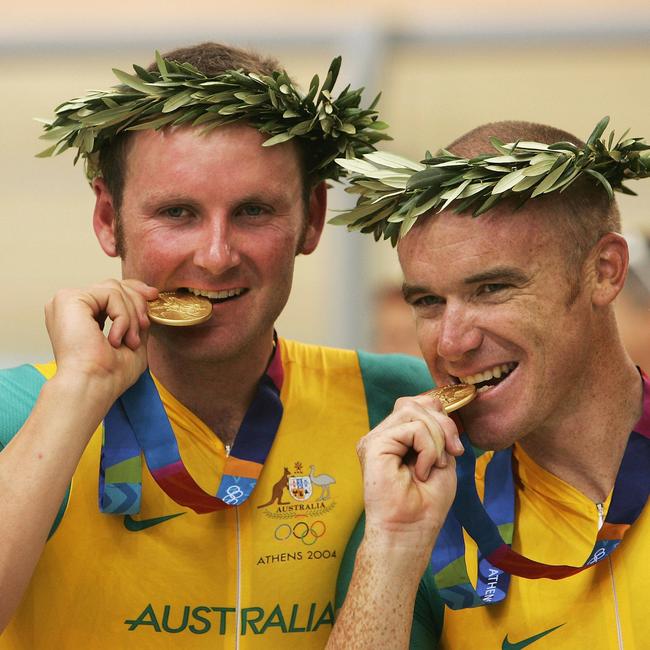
x=177, y=93
x=393, y=191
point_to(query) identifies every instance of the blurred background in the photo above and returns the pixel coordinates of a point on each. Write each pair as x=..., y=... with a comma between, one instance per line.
x=443, y=67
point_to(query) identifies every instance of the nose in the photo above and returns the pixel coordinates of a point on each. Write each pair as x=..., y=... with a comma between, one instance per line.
x=216, y=251
x=458, y=334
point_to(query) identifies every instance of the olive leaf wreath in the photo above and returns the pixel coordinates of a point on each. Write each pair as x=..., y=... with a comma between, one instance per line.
x=394, y=192
x=178, y=94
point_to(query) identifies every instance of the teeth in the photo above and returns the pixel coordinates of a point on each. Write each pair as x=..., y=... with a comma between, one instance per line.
x=216, y=295
x=496, y=372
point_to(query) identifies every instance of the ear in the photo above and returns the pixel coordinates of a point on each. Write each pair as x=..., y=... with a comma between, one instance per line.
x=610, y=259
x=104, y=218
x=315, y=218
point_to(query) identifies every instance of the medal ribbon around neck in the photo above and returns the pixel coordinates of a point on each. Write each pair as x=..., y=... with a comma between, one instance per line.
x=137, y=422
x=491, y=523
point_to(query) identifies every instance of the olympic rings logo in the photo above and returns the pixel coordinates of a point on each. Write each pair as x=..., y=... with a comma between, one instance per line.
x=302, y=530
x=233, y=494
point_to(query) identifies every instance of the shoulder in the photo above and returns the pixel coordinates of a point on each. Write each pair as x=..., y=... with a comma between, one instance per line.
x=378, y=369
x=387, y=371
x=317, y=357
x=19, y=388
x=386, y=377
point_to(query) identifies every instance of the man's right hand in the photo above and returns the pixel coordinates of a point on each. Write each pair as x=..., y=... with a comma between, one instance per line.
x=75, y=319
x=409, y=484
x=93, y=370
x=409, y=475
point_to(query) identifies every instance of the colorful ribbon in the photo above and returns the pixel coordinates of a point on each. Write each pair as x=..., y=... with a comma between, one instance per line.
x=137, y=423
x=490, y=524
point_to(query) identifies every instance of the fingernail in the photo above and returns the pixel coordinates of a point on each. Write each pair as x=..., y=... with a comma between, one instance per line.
x=458, y=445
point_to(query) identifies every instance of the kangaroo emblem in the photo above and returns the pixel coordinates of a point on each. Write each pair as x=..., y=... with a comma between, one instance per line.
x=278, y=489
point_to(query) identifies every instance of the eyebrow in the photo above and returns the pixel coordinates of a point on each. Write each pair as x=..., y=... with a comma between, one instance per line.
x=169, y=198
x=499, y=273
x=409, y=290
x=156, y=199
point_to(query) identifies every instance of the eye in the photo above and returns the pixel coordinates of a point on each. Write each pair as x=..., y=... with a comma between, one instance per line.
x=493, y=287
x=176, y=212
x=253, y=210
x=427, y=301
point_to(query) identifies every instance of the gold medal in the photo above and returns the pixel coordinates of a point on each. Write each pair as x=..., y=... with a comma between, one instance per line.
x=454, y=396
x=179, y=309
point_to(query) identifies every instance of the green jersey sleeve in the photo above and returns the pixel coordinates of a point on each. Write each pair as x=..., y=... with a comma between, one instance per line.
x=385, y=378
x=19, y=390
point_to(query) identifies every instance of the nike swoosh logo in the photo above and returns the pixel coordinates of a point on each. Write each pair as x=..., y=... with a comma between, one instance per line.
x=136, y=525
x=506, y=645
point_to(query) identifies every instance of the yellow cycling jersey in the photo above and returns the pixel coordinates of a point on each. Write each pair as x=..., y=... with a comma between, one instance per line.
x=260, y=575
x=601, y=608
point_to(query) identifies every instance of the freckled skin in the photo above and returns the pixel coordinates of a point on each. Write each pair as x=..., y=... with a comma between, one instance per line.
x=406, y=501
x=384, y=574
x=503, y=288
x=475, y=326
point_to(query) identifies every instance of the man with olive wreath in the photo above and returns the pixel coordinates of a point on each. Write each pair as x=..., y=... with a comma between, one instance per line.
x=223, y=454
x=512, y=258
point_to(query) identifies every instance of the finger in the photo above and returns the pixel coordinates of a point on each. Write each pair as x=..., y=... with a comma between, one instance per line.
x=61, y=303
x=139, y=298
x=430, y=449
x=397, y=441
x=145, y=290
x=417, y=409
x=425, y=409
x=406, y=409
x=113, y=301
x=131, y=336
x=453, y=443
x=49, y=316
x=393, y=442
x=433, y=408
x=426, y=447
x=117, y=311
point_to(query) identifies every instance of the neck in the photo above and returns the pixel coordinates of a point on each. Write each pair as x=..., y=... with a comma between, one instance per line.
x=587, y=449
x=217, y=390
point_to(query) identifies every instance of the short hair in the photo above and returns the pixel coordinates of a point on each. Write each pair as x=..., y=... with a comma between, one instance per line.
x=584, y=208
x=211, y=59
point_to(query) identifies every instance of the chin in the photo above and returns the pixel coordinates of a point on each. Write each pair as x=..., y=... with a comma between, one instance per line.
x=487, y=437
x=493, y=426
x=201, y=342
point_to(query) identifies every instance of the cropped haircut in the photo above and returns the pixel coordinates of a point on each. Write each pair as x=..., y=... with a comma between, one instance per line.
x=584, y=211
x=211, y=59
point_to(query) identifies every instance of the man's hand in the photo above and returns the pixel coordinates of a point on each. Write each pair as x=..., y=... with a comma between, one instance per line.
x=75, y=319
x=409, y=484
x=93, y=370
x=409, y=469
